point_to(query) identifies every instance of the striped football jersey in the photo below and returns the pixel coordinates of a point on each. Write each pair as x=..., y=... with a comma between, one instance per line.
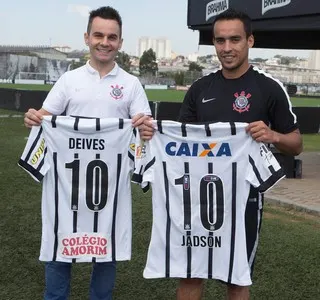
x=200, y=177
x=85, y=166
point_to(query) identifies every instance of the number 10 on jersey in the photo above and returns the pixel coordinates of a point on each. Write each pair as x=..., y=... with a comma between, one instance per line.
x=211, y=203
x=96, y=175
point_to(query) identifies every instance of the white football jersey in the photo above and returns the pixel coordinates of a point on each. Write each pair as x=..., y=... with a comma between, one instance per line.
x=201, y=177
x=85, y=165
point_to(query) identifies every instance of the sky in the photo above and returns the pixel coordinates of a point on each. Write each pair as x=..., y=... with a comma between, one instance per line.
x=63, y=22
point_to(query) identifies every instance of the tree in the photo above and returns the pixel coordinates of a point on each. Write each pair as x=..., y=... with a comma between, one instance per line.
x=123, y=60
x=191, y=76
x=284, y=60
x=259, y=60
x=202, y=59
x=193, y=66
x=78, y=64
x=148, y=64
x=179, y=77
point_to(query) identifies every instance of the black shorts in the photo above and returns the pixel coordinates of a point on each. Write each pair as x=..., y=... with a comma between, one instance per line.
x=253, y=218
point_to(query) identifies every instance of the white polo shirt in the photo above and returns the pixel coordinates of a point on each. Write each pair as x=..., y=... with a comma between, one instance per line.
x=81, y=92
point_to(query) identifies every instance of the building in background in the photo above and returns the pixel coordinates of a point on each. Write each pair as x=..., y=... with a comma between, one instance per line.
x=314, y=60
x=161, y=46
x=193, y=57
x=174, y=55
x=31, y=63
x=63, y=48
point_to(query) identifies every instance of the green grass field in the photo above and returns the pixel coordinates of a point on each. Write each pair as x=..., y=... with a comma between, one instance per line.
x=159, y=95
x=287, y=266
x=311, y=142
x=32, y=87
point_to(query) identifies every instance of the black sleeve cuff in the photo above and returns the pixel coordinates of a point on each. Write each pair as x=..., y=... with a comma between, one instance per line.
x=271, y=181
x=31, y=170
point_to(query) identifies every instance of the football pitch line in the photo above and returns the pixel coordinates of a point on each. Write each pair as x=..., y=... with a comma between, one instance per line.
x=11, y=116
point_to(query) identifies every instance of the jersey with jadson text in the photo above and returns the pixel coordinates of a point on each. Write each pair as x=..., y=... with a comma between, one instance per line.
x=85, y=167
x=254, y=96
x=201, y=177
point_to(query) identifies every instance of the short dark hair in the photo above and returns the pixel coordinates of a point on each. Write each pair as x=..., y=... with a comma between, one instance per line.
x=105, y=12
x=232, y=14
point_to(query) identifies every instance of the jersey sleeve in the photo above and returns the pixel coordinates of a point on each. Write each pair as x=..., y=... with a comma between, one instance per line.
x=139, y=101
x=143, y=169
x=263, y=170
x=33, y=158
x=281, y=116
x=55, y=102
x=188, y=112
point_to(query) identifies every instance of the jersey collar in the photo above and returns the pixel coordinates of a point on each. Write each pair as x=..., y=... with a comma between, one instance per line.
x=92, y=70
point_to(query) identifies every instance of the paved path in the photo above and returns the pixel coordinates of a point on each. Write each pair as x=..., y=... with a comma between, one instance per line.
x=302, y=194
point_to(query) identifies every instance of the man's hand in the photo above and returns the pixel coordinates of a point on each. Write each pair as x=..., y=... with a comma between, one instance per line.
x=145, y=126
x=138, y=119
x=289, y=143
x=146, y=130
x=262, y=133
x=34, y=117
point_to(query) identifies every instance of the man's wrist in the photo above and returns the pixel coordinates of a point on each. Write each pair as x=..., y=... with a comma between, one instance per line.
x=277, y=137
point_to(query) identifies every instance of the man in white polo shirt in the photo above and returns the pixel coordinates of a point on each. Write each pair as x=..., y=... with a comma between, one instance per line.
x=100, y=89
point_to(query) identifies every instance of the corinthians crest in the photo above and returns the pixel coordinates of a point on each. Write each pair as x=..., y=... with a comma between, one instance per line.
x=241, y=103
x=116, y=92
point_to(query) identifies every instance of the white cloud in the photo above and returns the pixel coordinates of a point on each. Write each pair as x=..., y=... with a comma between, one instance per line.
x=82, y=10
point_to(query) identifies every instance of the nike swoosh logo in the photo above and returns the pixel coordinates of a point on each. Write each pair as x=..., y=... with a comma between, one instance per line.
x=208, y=100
